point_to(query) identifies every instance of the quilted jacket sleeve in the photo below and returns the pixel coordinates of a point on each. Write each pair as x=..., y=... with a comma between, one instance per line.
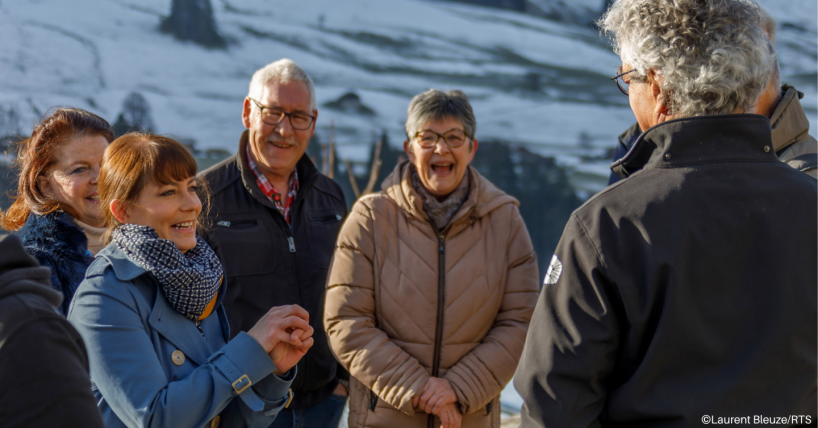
x=482, y=373
x=350, y=320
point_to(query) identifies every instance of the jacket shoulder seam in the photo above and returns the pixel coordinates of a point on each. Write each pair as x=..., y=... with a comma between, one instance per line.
x=369, y=202
x=334, y=195
x=230, y=175
x=515, y=210
x=590, y=241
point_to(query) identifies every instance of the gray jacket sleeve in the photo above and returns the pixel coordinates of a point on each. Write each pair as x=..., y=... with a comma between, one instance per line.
x=572, y=341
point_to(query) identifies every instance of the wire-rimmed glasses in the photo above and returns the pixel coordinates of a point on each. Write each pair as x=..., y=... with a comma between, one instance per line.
x=621, y=83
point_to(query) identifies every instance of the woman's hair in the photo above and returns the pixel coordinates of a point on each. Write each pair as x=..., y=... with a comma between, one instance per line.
x=712, y=55
x=136, y=159
x=37, y=155
x=438, y=105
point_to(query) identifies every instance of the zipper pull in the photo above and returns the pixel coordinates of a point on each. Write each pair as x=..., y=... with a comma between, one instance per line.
x=440, y=239
x=223, y=224
x=292, y=243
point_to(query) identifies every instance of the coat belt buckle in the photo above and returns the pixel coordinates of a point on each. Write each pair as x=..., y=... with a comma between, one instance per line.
x=240, y=380
x=289, y=400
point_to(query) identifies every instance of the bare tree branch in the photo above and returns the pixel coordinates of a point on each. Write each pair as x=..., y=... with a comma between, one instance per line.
x=331, y=172
x=352, y=180
x=374, y=169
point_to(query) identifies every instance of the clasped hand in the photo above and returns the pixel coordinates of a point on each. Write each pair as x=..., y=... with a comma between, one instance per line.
x=285, y=334
x=438, y=398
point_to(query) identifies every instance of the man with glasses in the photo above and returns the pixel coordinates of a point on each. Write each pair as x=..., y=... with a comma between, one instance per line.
x=779, y=103
x=684, y=295
x=274, y=222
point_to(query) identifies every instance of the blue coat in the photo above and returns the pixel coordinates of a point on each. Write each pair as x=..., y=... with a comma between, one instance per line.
x=139, y=380
x=58, y=243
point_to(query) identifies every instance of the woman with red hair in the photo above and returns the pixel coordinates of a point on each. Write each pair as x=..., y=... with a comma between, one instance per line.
x=56, y=208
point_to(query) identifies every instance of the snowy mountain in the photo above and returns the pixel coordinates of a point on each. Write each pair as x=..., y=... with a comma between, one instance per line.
x=533, y=81
x=576, y=11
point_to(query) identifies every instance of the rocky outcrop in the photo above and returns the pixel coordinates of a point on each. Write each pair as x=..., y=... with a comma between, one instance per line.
x=193, y=20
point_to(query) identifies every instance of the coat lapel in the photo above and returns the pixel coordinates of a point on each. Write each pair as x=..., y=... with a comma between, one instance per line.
x=172, y=325
x=178, y=330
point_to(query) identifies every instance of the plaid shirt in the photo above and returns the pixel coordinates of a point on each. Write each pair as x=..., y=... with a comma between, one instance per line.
x=270, y=192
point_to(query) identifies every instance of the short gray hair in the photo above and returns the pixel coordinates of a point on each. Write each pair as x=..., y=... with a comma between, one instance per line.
x=284, y=70
x=713, y=56
x=438, y=105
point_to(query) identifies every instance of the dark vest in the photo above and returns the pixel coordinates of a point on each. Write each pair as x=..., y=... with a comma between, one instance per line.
x=267, y=264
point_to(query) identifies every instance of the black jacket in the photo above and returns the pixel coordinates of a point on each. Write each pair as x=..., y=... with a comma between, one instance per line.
x=266, y=265
x=43, y=363
x=58, y=243
x=687, y=290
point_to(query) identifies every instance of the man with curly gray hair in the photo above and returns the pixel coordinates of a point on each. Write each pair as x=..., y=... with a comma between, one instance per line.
x=790, y=126
x=686, y=293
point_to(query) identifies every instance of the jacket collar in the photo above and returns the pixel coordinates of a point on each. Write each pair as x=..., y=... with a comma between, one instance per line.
x=789, y=123
x=484, y=197
x=124, y=268
x=307, y=173
x=699, y=140
x=55, y=233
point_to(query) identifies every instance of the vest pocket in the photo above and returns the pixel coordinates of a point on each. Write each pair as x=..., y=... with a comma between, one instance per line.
x=247, y=246
x=322, y=230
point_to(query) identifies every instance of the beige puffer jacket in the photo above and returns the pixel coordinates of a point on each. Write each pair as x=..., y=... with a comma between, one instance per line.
x=381, y=309
x=790, y=128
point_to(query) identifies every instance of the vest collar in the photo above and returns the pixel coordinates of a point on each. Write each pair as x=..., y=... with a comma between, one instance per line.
x=307, y=173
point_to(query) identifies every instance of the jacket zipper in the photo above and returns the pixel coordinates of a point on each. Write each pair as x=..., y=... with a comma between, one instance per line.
x=441, y=306
x=290, y=232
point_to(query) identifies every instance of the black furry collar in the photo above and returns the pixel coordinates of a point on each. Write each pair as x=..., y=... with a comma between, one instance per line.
x=55, y=233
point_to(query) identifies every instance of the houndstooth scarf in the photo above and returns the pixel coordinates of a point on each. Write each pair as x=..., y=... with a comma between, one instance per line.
x=189, y=281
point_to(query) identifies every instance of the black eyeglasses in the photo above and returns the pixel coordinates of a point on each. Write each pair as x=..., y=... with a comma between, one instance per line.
x=427, y=138
x=271, y=116
x=621, y=83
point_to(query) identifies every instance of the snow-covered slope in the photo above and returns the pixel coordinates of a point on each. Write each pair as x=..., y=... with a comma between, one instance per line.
x=532, y=81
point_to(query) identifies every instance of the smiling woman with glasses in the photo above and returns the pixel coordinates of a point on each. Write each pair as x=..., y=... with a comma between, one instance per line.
x=428, y=139
x=447, y=244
